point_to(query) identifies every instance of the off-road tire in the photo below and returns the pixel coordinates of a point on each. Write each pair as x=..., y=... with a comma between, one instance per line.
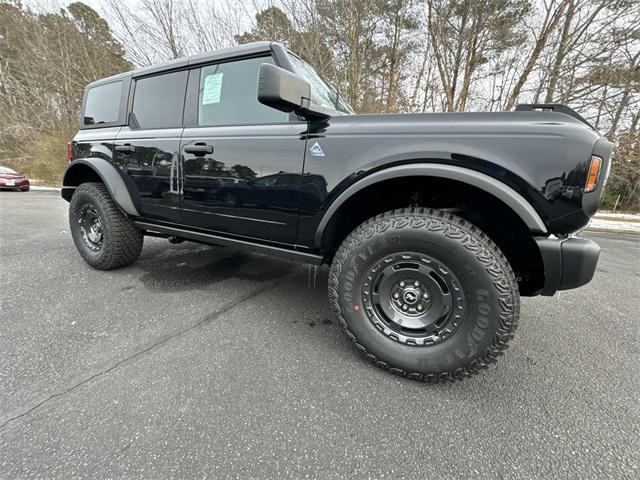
x=121, y=239
x=490, y=293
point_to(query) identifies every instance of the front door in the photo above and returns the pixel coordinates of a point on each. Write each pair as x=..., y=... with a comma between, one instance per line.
x=242, y=161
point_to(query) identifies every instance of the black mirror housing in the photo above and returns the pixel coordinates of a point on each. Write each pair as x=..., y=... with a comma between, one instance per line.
x=285, y=91
x=281, y=89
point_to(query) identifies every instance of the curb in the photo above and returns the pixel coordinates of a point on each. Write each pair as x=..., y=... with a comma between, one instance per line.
x=45, y=189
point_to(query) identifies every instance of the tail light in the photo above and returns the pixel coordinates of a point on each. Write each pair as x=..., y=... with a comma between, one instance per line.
x=594, y=174
x=69, y=151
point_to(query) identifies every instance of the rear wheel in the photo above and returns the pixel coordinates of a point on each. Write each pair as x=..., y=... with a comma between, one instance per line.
x=424, y=294
x=103, y=235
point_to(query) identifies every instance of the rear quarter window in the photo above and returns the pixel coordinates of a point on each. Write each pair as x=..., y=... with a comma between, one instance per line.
x=103, y=104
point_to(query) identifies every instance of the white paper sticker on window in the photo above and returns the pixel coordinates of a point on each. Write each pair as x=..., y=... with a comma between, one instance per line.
x=212, y=89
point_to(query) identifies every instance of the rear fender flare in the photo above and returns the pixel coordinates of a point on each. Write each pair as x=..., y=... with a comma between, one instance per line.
x=477, y=179
x=109, y=176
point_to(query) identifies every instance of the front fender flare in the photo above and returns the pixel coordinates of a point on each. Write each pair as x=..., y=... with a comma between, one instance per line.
x=109, y=176
x=477, y=179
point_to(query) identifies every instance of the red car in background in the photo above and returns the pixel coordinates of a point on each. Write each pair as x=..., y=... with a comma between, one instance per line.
x=12, y=180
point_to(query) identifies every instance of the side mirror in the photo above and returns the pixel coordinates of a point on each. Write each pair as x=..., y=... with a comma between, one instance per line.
x=283, y=90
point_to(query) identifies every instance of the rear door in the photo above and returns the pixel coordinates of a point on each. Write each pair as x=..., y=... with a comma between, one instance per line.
x=242, y=161
x=147, y=150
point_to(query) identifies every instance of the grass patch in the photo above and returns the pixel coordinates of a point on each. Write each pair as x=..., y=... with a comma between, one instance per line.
x=44, y=160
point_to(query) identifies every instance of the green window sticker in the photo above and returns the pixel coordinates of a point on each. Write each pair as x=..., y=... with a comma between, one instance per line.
x=212, y=89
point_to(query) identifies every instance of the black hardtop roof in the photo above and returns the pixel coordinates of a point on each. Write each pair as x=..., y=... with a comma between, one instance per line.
x=222, y=54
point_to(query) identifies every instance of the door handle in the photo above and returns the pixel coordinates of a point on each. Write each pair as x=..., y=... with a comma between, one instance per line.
x=126, y=148
x=199, y=149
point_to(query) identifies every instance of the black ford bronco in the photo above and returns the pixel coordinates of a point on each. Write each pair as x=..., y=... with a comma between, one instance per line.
x=434, y=224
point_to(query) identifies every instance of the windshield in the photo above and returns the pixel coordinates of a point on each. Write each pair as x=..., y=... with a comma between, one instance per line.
x=322, y=92
x=6, y=170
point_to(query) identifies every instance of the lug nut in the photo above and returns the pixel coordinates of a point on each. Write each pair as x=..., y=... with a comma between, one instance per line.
x=419, y=308
x=405, y=308
x=396, y=295
x=402, y=284
x=416, y=283
x=425, y=296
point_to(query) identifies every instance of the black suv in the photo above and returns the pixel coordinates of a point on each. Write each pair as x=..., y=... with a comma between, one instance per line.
x=434, y=224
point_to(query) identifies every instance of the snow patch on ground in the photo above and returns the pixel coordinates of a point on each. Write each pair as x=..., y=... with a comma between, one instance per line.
x=605, y=214
x=606, y=225
x=607, y=221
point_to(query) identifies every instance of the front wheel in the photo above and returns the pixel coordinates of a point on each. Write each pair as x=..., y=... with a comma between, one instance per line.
x=103, y=235
x=424, y=294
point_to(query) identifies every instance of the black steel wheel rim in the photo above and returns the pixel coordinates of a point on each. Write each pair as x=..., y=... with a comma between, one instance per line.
x=413, y=298
x=91, y=227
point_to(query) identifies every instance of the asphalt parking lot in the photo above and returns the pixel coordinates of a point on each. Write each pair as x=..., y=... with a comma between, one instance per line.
x=207, y=362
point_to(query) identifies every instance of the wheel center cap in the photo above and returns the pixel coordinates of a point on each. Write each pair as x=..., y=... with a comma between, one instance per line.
x=410, y=296
x=95, y=232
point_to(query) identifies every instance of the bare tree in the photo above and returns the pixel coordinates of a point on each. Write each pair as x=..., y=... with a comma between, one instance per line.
x=553, y=14
x=464, y=35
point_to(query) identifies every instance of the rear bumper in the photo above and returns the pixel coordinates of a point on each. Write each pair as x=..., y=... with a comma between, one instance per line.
x=568, y=263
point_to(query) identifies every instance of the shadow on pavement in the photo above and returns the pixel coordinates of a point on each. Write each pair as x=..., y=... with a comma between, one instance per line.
x=198, y=269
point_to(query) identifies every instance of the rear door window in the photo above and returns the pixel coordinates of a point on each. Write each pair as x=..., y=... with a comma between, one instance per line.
x=103, y=104
x=158, y=101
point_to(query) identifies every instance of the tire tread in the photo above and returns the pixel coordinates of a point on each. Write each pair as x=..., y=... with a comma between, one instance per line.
x=476, y=241
x=127, y=239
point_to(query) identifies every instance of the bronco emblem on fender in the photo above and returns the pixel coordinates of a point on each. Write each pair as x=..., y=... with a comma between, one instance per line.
x=316, y=150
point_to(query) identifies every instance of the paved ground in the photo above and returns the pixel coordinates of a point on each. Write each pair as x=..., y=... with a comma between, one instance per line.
x=208, y=362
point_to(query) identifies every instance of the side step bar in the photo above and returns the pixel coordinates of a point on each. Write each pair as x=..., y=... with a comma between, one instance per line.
x=212, y=239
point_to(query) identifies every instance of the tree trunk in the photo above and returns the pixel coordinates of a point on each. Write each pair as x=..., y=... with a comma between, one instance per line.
x=560, y=54
x=547, y=28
